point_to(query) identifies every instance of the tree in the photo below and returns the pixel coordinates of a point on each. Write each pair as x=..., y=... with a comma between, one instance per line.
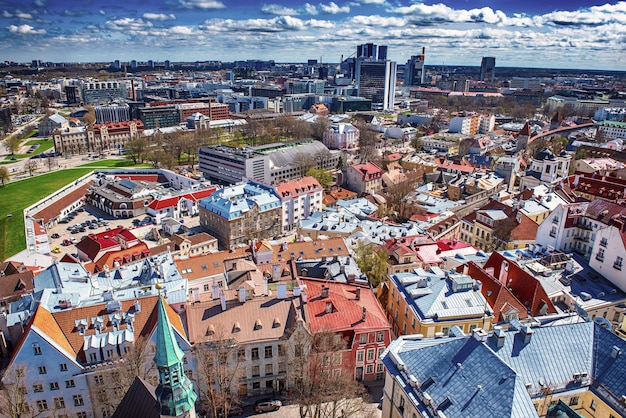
x=138, y=149
x=12, y=143
x=324, y=178
x=367, y=142
x=372, y=260
x=31, y=166
x=220, y=365
x=4, y=175
x=318, y=127
x=90, y=116
x=174, y=144
x=304, y=162
x=13, y=392
x=398, y=207
x=321, y=386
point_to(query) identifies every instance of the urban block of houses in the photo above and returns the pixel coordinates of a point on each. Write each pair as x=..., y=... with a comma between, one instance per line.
x=363, y=178
x=515, y=373
x=299, y=199
x=111, y=249
x=341, y=136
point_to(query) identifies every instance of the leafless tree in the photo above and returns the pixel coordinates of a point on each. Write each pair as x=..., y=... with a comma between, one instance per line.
x=31, y=166
x=319, y=381
x=304, y=162
x=138, y=149
x=13, y=395
x=4, y=175
x=220, y=365
x=318, y=127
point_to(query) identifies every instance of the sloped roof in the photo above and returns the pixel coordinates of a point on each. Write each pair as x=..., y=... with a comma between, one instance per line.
x=347, y=312
x=54, y=209
x=140, y=400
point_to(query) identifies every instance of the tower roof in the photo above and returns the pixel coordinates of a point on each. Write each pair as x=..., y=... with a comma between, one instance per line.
x=168, y=353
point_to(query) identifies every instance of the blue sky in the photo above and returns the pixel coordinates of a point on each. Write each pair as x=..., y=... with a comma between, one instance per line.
x=559, y=33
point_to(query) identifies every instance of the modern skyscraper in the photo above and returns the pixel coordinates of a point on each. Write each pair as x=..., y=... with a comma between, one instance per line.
x=414, y=70
x=175, y=392
x=375, y=75
x=488, y=69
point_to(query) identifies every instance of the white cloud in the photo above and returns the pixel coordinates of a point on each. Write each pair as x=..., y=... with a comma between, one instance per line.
x=40, y=3
x=332, y=8
x=6, y=14
x=158, y=16
x=127, y=24
x=181, y=30
x=380, y=21
x=277, y=9
x=201, y=4
x=310, y=9
x=23, y=15
x=275, y=24
x=101, y=12
x=26, y=30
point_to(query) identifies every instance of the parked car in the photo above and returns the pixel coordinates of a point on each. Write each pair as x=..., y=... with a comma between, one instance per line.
x=267, y=405
x=66, y=242
x=55, y=235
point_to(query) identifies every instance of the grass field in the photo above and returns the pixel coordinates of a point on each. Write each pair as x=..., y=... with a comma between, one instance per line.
x=115, y=164
x=16, y=196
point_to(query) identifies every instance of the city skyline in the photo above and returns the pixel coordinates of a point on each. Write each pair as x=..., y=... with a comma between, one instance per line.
x=576, y=34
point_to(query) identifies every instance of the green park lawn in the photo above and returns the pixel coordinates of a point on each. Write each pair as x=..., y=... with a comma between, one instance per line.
x=115, y=164
x=18, y=195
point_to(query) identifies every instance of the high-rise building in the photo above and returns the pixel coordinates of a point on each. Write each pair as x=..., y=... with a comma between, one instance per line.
x=488, y=69
x=167, y=64
x=377, y=82
x=414, y=70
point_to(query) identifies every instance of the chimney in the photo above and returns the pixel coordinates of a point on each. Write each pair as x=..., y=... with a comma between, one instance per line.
x=242, y=295
x=499, y=334
x=358, y=293
x=281, y=291
x=223, y=302
x=324, y=292
x=504, y=272
x=364, y=314
x=526, y=333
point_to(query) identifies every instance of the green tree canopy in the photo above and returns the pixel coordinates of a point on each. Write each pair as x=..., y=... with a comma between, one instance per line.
x=372, y=260
x=324, y=178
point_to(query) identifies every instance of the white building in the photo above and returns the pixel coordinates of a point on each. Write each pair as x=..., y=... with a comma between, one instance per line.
x=341, y=136
x=546, y=167
x=299, y=198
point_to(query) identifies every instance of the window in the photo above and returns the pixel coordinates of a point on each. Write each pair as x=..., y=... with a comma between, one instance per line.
x=206, y=287
x=255, y=354
x=298, y=350
x=359, y=356
x=281, y=350
x=102, y=395
x=256, y=371
x=37, y=388
x=269, y=384
x=93, y=357
x=618, y=263
x=380, y=337
x=81, y=414
x=241, y=354
x=42, y=405
x=63, y=367
x=553, y=232
x=573, y=401
x=604, y=242
x=78, y=400
x=37, y=349
x=268, y=351
x=54, y=385
x=594, y=405
x=70, y=383
x=363, y=339
x=59, y=402
x=337, y=359
x=371, y=354
x=269, y=369
x=256, y=385
x=369, y=369
x=379, y=368
x=42, y=370
x=600, y=255
x=98, y=379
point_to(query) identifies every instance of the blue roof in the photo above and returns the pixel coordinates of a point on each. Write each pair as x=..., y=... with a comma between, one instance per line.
x=483, y=380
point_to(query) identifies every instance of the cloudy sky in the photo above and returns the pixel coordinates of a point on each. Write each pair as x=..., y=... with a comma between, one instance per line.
x=584, y=34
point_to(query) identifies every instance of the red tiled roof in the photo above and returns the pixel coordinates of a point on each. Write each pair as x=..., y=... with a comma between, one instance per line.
x=347, y=312
x=297, y=187
x=54, y=209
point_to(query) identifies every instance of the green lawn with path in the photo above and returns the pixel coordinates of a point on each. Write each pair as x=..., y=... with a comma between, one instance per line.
x=18, y=195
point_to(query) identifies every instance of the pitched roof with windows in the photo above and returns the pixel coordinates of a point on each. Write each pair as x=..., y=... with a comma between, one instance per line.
x=498, y=375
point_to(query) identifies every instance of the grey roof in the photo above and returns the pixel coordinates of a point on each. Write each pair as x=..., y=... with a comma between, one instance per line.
x=139, y=401
x=430, y=294
x=560, y=359
x=286, y=155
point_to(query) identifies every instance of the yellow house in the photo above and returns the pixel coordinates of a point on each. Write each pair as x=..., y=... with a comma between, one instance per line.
x=431, y=302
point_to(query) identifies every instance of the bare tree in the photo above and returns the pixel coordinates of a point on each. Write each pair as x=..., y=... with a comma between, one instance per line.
x=319, y=380
x=138, y=149
x=398, y=206
x=220, y=365
x=304, y=162
x=13, y=399
x=318, y=127
x=31, y=166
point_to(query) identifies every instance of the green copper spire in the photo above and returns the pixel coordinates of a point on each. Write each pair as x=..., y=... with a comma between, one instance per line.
x=175, y=391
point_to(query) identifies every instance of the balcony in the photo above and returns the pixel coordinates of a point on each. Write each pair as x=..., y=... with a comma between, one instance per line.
x=582, y=238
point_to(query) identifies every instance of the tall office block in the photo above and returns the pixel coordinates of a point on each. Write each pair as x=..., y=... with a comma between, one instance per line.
x=377, y=82
x=488, y=69
x=414, y=71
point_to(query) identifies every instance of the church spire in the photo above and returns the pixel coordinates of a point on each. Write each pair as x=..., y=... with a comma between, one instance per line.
x=175, y=391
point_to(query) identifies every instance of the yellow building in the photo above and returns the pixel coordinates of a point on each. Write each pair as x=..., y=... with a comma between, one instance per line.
x=431, y=302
